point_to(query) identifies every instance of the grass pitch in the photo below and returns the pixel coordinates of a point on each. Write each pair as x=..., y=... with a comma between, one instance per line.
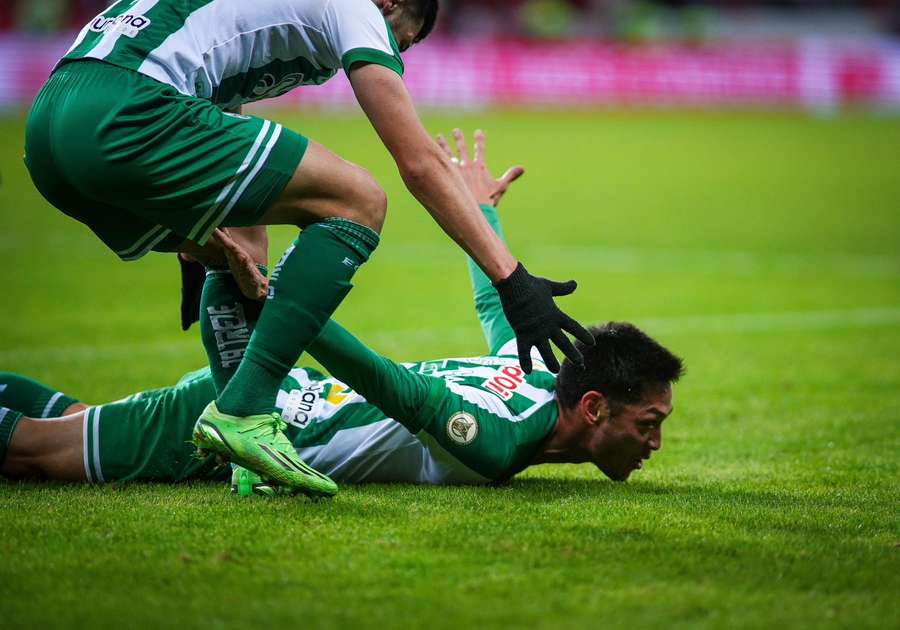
x=761, y=247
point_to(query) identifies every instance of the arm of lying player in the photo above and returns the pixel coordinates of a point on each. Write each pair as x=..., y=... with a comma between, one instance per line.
x=389, y=386
x=487, y=192
x=429, y=175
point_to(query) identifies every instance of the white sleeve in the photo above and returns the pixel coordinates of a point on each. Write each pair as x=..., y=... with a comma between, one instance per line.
x=358, y=32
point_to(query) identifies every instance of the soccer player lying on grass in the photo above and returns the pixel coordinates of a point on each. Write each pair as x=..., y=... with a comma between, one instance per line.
x=469, y=420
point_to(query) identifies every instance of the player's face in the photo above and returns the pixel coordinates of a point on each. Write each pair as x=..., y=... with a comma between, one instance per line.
x=405, y=28
x=620, y=444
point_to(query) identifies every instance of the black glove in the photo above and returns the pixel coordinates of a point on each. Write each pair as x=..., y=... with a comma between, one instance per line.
x=534, y=316
x=193, y=275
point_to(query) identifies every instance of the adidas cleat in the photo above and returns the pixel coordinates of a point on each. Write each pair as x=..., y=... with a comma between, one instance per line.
x=259, y=444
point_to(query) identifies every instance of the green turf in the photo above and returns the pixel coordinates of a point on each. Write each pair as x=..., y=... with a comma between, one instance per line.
x=761, y=247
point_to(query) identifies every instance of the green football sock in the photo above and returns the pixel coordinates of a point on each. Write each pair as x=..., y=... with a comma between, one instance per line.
x=32, y=398
x=8, y=421
x=307, y=285
x=227, y=319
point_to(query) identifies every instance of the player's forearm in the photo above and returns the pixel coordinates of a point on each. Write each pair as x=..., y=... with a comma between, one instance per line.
x=426, y=169
x=392, y=388
x=493, y=321
x=440, y=189
x=481, y=284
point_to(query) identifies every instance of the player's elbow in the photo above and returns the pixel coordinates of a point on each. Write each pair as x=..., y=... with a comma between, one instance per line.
x=419, y=168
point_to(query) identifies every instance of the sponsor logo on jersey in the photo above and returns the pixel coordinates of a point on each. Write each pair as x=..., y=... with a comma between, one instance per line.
x=128, y=24
x=301, y=405
x=462, y=428
x=505, y=383
x=338, y=394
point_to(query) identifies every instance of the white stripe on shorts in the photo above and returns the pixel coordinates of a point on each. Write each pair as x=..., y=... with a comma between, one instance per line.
x=165, y=232
x=240, y=191
x=97, y=444
x=225, y=191
x=87, y=466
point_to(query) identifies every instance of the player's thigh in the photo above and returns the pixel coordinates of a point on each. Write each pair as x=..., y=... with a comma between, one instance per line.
x=326, y=185
x=175, y=161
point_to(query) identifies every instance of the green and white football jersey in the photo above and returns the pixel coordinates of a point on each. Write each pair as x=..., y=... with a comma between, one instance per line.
x=236, y=51
x=483, y=421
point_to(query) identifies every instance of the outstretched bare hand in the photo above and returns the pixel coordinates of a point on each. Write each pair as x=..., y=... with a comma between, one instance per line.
x=474, y=171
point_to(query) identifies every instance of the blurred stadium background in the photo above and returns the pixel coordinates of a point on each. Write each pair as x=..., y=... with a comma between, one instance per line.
x=724, y=174
x=815, y=54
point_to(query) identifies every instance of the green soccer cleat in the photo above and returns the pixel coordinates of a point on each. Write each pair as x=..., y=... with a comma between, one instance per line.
x=246, y=483
x=258, y=443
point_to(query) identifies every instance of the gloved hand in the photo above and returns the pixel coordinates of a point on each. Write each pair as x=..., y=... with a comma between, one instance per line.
x=528, y=303
x=193, y=275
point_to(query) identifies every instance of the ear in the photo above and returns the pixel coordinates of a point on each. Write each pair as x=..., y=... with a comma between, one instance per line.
x=593, y=408
x=386, y=6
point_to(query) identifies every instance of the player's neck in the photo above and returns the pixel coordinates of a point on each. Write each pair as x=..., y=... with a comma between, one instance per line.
x=563, y=444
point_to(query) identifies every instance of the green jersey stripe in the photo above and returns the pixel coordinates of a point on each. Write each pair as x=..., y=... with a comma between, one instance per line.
x=120, y=28
x=370, y=55
x=164, y=21
x=93, y=33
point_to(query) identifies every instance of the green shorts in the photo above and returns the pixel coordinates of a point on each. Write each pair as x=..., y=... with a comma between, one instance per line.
x=146, y=167
x=147, y=436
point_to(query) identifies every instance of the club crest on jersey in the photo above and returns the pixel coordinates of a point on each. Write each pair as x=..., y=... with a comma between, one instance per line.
x=505, y=383
x=128, y=24
x=462, y=428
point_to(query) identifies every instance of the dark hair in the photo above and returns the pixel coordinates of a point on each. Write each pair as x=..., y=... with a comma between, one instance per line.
x=619, y=365
x=427, y=10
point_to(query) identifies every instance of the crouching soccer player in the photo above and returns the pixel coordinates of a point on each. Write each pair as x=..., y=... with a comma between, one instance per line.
x=466, y=420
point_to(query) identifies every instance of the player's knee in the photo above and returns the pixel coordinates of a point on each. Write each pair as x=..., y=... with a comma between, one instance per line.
x=371, y=203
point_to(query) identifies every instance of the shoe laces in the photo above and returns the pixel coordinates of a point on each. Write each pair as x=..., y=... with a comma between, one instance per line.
x=274, y=423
